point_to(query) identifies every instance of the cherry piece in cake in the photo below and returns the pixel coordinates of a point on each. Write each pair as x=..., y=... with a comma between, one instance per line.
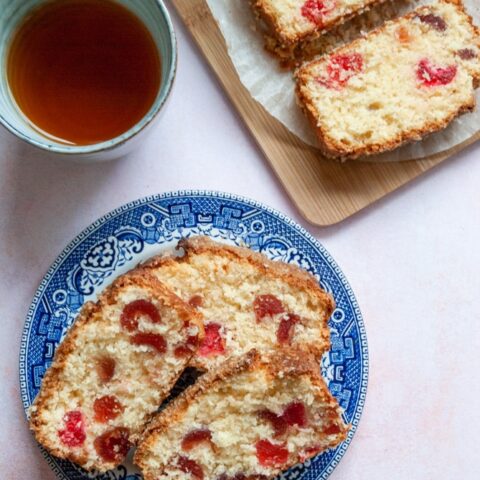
x=113, y=445
x=267, y=306
x=213, y=343
x=107, y=408
x=73, y=433
x=195, y=437
x=271, y=454
x=133, y=310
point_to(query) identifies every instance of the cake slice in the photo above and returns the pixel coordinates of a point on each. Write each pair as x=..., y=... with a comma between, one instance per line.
x=289, y=24
x=407, y=79
x=117, y=363
x=253, y=418
x=247, y=300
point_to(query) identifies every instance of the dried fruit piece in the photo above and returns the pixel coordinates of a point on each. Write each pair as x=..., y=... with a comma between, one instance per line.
x=295, y=414
x=153, y=340
x=402, y=34
x=432, y=75
x=105, y=368
x=73, y=435
x=133, y=310
x=286, y=329
x=271, y=454
x=341, y=68
x=317, y=10
x=436, y=22
x=310, y=452
x=195, y=437
x=107, y=408
x=267, y=306
x=113, y=445
x=213, y=343
x=467, y=54
x=278, y=423
x=186, y=349
x=196, y=301
x=332, y=429
x=187, y=465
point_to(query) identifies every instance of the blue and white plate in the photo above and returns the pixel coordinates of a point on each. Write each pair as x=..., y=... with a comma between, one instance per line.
x=121, y=239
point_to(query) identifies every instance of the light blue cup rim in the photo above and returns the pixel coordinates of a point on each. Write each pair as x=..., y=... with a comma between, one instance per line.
x=165, y=89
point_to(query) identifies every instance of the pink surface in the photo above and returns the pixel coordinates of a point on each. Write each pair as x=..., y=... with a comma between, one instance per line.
x=412, y=259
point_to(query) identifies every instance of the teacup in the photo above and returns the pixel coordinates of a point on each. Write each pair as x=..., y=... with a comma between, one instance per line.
x=155, y=17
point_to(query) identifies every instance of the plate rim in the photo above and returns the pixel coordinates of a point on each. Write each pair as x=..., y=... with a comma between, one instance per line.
x=99, y=222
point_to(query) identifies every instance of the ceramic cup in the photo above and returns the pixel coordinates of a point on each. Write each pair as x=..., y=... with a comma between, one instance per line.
x=154, y=15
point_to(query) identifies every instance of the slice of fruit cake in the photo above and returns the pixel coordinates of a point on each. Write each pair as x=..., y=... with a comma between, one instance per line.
x=407, y=79
x=117, y=363
x=253, y=418
x=247, y=300
x=289, y=24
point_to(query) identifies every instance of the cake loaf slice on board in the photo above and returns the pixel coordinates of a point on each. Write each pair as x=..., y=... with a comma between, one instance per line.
x=407, y=79
x=291, y=23
x=117, y=363
x=253, y=418
x=247, y=300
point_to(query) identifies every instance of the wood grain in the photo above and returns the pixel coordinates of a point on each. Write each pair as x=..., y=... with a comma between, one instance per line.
x=325, y=191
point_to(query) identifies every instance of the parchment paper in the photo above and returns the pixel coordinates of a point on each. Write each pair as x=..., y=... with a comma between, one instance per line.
x=273, y=87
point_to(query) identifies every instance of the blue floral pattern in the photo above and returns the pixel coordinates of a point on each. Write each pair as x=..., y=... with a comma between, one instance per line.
x=132, y=233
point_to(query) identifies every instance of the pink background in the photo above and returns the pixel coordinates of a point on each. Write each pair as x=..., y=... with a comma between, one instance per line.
x=412, y=259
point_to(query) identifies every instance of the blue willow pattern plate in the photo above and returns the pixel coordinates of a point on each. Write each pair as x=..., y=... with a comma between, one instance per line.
x=138, y=230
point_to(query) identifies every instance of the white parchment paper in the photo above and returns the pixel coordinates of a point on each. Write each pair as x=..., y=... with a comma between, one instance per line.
x=273, y=87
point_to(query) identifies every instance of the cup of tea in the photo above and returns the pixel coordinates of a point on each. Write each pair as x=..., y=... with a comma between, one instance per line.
x=84, y=79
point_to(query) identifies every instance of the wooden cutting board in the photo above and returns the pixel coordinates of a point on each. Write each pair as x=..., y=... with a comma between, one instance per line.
x=325, y=191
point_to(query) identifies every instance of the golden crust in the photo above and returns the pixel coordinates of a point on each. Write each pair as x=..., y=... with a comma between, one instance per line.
x=284, y=362
x=290, y=274
x=89, y=313
x=334, y=149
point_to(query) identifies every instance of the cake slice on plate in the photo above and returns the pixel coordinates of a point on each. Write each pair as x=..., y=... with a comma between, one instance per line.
x=117, y=363
x=247, y=300
x=407, y=79
x=253, y=418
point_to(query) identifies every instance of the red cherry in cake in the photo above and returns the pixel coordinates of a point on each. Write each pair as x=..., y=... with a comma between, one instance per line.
x=295, y=414
x=271, y=454
x=113, y=445
x=195, y=437
x=107, y=408
x=434, y=21
x=316, y=10
x=286, y=329
x=310, y=452
x=277, y=421
x=431, y=75
x=267, y=306
x=153, y=340
x=187, y=348
x=105, y=368
x=73, y=434
x=332, y=429
x=187, y=465
x=341, y=68
x=213, y=343
x=196, y=301
x=133, y=310
x=467, y=54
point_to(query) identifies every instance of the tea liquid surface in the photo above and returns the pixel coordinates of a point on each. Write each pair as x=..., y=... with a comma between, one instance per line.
x=83, y=71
